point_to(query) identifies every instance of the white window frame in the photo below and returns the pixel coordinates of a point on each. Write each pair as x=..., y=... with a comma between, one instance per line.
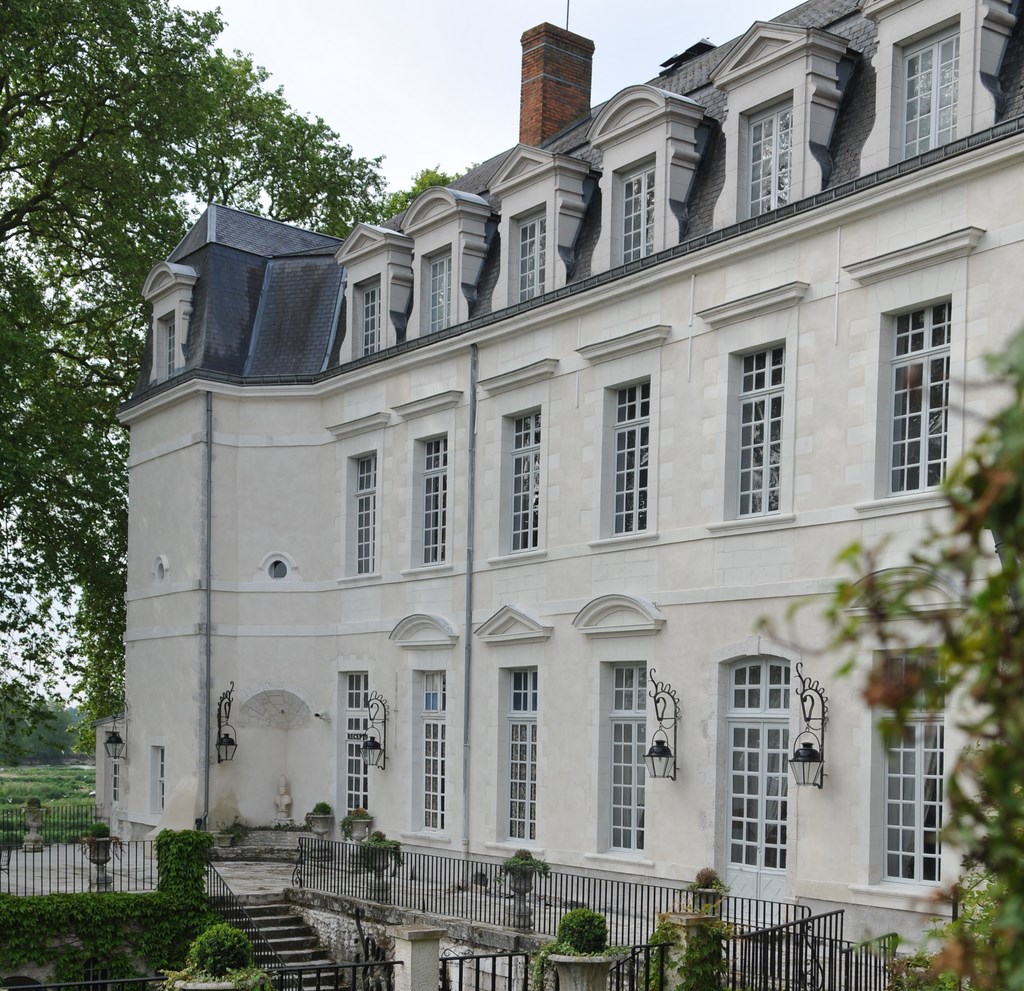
x=913, y=787
x=370, y=318
x=434, y=499
x=158, y=778
x=770, y=162
x=522, y=754
x=761, y=404
x=171, y=346
x=638, y=210
x=433, y=740
x=356, y=785
x=115, y=782
x=627, y=726
x=919, y=418
x=524, y=481
x=365, y=473
x=757, y=715
x=934, y=106
x=631, y=458
x=439, y=296
x=532, y=256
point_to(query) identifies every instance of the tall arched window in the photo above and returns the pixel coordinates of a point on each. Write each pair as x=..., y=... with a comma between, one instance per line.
x=758, y=721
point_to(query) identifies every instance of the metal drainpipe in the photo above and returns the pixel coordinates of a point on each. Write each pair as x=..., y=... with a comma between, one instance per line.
x=207, y=625
x=467, y=654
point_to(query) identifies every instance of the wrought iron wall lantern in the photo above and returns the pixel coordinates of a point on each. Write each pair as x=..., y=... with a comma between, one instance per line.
x=375, y=737
x=808, y=760
x=115, y=745
x=226, y=744
x=661, y=756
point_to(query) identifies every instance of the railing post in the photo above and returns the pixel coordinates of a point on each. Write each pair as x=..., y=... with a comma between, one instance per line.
x=417, y=951
x=681, y=927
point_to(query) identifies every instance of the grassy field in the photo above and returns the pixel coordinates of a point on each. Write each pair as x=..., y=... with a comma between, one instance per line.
x=52, y=784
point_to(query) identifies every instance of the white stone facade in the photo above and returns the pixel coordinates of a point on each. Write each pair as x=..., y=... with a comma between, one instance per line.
x=271, y=473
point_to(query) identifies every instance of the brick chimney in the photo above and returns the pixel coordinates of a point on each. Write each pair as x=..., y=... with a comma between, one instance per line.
x=557, y=66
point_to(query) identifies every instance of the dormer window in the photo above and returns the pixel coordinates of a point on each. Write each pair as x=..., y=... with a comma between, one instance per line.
x=771, y=159
x=638, y=215
x=168, y=289
x=532, y=256
x=930, y=94
x=369, y=339
x=440, y=307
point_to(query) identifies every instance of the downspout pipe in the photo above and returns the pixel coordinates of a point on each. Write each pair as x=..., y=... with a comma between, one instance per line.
x=208, y=606
x=467, y=650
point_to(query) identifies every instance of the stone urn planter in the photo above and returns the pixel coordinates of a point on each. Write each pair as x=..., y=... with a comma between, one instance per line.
x=583, y=973
x=320, y=820
x=99, y=846
x=34, y=814
x=521, y=869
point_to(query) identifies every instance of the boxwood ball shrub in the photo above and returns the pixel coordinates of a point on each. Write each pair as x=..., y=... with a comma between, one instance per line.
x=219, y=949
x=583, y=931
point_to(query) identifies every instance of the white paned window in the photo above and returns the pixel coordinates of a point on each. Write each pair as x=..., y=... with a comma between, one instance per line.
x=435, y=499
x=914, y=780
x=532, y=257
x=357, y=783
x=930, y=95
x=760, y=449
x=628, y=746
x=920, y=408
x=115, y=782
x=366, y=514
x=525, y=479
x=171, y=342
x=369, y=339
x=758, y=755
x=440, y=292
x=158, y=772
x=632, y=439
x=522, y=755
x=638, y=215
x=771, y=159
x=434, y=743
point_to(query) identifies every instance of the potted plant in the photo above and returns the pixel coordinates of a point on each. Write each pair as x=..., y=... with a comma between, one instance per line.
x=219, y=957
x=520, y=870
x=377, y=853
x=708, y=889
x=98, y=845
x=357, y=825
x=580, y=953
x=321, y=819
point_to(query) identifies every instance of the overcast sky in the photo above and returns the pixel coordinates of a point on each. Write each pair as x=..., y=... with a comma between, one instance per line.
x=436, y=82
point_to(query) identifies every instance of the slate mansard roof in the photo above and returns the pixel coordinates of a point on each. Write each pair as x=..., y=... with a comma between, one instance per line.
x=268, y=301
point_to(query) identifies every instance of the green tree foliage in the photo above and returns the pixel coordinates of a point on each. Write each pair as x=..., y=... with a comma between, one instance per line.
x=973, y=652
x=396, y=202
x=118, y=121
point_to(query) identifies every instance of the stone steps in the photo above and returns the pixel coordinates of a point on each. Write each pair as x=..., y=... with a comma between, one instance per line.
x=293, y=940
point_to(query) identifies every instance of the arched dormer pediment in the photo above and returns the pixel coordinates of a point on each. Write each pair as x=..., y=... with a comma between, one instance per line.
x=368, y=239
x=648, y=142
x=424, y=631
x=638, y=108
x=165, y=276
x=619, y=616
x=921, y=589
x=513, y=624
x=439, y=205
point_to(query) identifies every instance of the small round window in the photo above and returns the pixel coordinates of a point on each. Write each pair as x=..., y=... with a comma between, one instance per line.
x=277, y=569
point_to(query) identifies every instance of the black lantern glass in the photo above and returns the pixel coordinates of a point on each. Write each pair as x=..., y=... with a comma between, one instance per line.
x=114, y=744
x=375, y=738
x=808, y=760
x=226, y=743
x=661, y=757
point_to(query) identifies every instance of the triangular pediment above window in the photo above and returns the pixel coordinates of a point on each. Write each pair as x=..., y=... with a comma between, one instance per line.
x=511, y=624
x=523, y=162
x=423, y=631
x=366, y=239
x=767, y=45
x=619, y=616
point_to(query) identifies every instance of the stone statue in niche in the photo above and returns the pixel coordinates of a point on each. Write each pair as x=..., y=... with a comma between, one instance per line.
x=283, y=802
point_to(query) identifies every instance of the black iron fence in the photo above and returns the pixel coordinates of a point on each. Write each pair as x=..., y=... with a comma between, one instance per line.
x=810, y=955
x=378, y=975
x=61, y=823
x=484, y=971
x=73, y=867
x=153, y=983
x=223, y=901
x=475, y=890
